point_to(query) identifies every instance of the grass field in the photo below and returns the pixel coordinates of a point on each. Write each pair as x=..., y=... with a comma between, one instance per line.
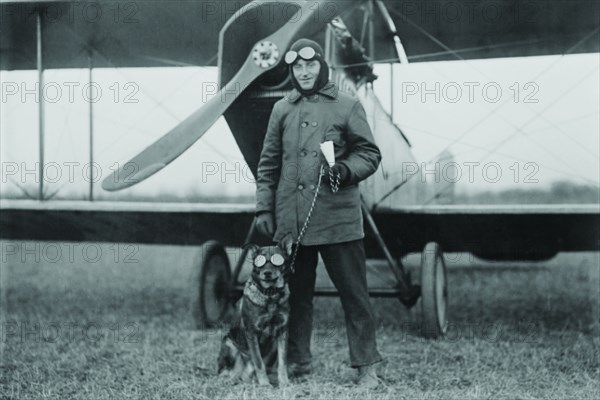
x=112, y=322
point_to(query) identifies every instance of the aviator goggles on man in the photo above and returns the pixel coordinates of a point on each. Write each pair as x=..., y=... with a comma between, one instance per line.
x=306, y=53
x=276, y=259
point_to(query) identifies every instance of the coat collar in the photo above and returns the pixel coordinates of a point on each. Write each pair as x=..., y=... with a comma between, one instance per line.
x=330, y=90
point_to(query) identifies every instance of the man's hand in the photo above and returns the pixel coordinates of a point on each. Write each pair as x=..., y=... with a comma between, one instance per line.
x=342, y=170
x=265, y=224
x=287, y=244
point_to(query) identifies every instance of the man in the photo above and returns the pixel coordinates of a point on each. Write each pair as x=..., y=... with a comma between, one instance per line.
x=288, y=176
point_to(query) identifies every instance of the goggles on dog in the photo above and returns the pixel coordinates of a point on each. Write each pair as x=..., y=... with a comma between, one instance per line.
x=276, y=259
x=306, y=53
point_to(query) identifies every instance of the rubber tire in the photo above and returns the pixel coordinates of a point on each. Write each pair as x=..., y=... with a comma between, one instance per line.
x=211, y=285
x=434, y=292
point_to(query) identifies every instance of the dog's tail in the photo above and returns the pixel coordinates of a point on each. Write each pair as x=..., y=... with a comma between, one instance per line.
x=227, y=355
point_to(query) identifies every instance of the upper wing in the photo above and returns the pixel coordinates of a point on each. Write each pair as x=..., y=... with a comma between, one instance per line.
x=150, y=33
x=494, y=231
x=126, y=222
x=452, y=30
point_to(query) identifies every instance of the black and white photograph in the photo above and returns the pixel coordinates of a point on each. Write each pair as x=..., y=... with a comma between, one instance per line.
x=303, y=199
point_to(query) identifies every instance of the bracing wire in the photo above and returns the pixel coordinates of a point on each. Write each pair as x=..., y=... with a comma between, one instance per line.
x=493, y=111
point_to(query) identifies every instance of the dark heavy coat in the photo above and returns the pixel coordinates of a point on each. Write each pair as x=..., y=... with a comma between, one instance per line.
x=290, y=161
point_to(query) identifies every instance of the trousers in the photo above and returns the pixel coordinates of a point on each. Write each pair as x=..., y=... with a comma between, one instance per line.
x=346, y=265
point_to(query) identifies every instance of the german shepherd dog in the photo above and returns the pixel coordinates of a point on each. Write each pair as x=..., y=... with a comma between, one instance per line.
x=259, y=327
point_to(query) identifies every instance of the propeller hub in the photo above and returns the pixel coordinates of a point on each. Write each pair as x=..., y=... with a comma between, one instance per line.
x=265, y=54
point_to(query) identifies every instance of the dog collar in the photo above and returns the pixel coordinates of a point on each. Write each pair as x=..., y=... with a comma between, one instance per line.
x=260, y=297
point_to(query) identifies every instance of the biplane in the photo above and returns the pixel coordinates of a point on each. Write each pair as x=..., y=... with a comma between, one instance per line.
x=247, y=41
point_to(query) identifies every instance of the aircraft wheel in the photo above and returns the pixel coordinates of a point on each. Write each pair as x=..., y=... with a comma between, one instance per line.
x=211, y=285
x=434, y=292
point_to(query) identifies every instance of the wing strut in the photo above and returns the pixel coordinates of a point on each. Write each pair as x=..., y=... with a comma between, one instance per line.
x=409, y=293
x=392, y=27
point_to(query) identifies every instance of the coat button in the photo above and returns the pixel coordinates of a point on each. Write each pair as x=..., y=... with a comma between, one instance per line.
x=300, y=187
x=304, y=124
x=314, y=153
x=314, y=124
x=312, y=187
x=303, y=153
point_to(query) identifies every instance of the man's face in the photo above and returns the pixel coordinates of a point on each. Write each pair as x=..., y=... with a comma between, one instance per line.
x=306, y=73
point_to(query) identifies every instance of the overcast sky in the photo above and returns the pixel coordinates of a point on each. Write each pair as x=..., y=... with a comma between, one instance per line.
x=534, y=119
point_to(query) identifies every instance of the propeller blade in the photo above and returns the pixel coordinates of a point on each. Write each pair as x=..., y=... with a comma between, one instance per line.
x=160, y=153
x=166, y=149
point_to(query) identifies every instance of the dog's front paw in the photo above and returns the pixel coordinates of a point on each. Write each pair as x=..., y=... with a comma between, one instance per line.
x=262, y=378
x=283, y=380
x=264, y=382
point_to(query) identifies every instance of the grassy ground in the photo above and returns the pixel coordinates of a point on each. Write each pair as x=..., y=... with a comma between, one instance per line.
x=89, y=324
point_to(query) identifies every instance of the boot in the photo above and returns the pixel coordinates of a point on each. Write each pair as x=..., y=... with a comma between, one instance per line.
x=297, y=370
x=367, y=377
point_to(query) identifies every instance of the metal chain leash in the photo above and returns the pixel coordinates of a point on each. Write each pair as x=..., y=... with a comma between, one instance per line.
x=310, y=210
x=334, y=182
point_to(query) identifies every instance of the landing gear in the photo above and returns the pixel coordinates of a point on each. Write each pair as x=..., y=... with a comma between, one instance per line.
x=211, y=285
x=216, y=287
x=434, y=292
x=433, y=289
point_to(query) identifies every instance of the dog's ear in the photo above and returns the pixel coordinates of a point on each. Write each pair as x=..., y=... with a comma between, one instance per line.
x=252, y=249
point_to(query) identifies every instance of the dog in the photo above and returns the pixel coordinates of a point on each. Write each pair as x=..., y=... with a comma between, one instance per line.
x=259, y=327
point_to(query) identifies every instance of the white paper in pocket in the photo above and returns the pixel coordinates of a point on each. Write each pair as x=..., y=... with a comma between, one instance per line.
x=328, y=152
